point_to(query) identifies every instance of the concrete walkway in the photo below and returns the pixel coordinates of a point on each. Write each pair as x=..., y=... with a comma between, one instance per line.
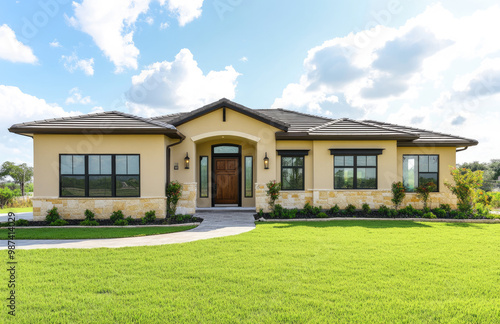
x=215, y=224
x=27, y=216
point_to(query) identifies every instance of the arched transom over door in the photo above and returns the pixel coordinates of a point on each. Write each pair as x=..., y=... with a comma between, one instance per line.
x=226, y=174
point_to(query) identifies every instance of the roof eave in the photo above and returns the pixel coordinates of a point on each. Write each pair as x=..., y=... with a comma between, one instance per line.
x=172, y=133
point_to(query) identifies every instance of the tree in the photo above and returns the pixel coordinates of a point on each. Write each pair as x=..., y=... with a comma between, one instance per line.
x=466, y=183
x=21, y=173
x=424, y=191
x=398, y=193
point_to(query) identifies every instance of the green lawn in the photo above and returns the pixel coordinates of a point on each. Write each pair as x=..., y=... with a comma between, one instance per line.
x=89, y=233
x=320, y=272
x=16, y=210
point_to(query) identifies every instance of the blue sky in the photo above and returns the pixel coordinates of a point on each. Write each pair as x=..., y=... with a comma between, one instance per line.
x=432, y=65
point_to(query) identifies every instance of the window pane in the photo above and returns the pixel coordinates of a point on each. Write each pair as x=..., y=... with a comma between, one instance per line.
x=428, y=177
x=344, y=178
x=72, y=186
x=366, y=178
x=410, y=176
x=339, y=161
x=423, y=163
x=286, y=161
x=226, y=149
x=127, y=186
x=361, y=160
x=292, y=178
x=204, y=176
x=349, y=160
x=66, y=164
x=78, y=164
x=94, y=164
x=121, y=164
x=133, y=164
x=298, y=161
x=371, y=160
x=248, y=176
x=433, y=163
x=100, y=186
x=105, y=164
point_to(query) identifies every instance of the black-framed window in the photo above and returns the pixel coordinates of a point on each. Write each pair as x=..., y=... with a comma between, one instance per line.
x=248, y=176
x=292, y=172
x=355, y=172
x=419, y=169
x=99, y=175
x=203, y=176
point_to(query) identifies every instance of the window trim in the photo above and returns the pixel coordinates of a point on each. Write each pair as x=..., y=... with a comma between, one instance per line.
x=355, y=169
x=208, y=171
x=245, y=177
x=303, y=167
x=87, y=175
x=418, y=169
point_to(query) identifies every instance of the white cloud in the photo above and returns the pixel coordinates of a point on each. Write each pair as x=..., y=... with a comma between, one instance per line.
x=55, y=43
x=75, y=97
x=12, y=49
x=244, y=59
x=164, y=25
x=185, y=10
x=178, y=86
x=436, y=71
x=17, y=107
x=73, y=63
x=111, y=24
x=149, y=20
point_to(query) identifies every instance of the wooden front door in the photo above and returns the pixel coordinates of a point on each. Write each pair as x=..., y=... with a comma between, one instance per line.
x=226, y=180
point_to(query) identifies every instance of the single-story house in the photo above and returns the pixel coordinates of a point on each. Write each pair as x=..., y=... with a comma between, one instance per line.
x=223, y=154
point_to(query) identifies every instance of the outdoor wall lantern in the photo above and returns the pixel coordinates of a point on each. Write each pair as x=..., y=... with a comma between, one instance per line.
x=186, y=161
x=266, y=162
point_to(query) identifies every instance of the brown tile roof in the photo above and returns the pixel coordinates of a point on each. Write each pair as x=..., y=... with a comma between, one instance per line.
x=293, y=125
x=112, y=122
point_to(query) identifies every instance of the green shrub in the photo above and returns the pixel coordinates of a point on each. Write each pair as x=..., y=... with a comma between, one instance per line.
x=429, y=215
x=130, y=220
x=173, y=192
x=273, y=192
x=366, y=209
x=121, y=222
x=22, y=222
x=290, y=213
x=440, y=213
x=307, y=210
x=392, y=213
x=398, y=193
x=322, y=215
x=350, y=209
x=89, y=215
x=88, y=222
x=116, y=215
x=183, y=218
x=149, y=217
x=383, y=210
x=260, y=213
x=335, y=210
x=316, y=210
x=424, y=191
x=446, y=207
x=495, y=199
x=277, y=212
x=59, y=222
x=52, y=215
x=6, y=196
x=482, y=211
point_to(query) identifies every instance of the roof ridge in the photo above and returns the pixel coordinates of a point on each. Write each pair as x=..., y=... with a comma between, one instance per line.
x=169, y=115
x=297, y=112
x=384, y=127
x=146, y=120
x=421, y=129
x=64, y=118
x=323, y=125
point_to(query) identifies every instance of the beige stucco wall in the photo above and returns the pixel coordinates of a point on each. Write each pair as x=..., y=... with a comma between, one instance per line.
x=46, y=164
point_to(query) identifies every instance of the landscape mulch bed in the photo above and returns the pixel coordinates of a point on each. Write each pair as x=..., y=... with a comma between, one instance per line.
x=107, y=222
x=356, y=214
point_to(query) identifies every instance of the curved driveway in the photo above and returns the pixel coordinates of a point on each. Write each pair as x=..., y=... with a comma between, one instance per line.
x=213, y=225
